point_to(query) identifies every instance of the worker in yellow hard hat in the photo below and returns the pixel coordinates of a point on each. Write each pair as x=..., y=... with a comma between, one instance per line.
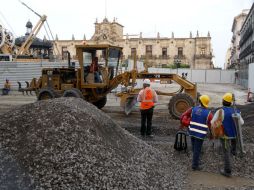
x=200, y=122
x=228, y=140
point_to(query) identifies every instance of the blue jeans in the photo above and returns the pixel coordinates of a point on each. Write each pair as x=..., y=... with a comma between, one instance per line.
x=227, y=148
x=196, y=149
x=5, y=91
x=97, y=78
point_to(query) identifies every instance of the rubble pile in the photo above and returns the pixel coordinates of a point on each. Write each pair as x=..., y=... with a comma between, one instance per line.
x=212, y=159
x=247, y=112
x=70, y=144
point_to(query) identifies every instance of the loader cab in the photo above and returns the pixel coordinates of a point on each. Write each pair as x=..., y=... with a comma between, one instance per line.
x=98, y=64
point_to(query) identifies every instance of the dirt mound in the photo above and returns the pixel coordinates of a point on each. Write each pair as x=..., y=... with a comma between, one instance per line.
x=70, y=144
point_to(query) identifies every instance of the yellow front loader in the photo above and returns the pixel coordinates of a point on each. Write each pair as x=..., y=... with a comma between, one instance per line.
x=93, y=86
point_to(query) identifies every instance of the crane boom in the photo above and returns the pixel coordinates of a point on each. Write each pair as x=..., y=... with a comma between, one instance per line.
x=25, y=46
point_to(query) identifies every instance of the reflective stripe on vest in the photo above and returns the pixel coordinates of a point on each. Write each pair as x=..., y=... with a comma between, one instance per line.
x=198, y=127
x=147, y=99
x=198, y=124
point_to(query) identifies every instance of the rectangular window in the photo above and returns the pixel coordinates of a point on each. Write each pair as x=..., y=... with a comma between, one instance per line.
x=149, y=51
x=64, y=52
x=202, y=52
x=133, y=52
x=164, y=53
x=180, y=52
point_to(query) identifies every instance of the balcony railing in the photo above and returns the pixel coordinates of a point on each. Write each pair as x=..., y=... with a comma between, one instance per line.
x=203, y=56
x=246, y=35
x=246, y=51
x=148, y=57
x=164, y=56
x=179, y=57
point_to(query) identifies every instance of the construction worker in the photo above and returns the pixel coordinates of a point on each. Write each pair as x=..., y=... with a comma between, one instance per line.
x=228, y=140
x=200, y=121
x=94, y=68
x=147, y=96
x=7, y=87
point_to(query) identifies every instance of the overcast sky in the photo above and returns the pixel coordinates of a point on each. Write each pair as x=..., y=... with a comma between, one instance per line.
x=67, y=17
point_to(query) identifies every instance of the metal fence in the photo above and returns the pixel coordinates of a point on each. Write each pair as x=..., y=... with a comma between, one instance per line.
x=202, y=75
x=251, y=77
x=20, y=71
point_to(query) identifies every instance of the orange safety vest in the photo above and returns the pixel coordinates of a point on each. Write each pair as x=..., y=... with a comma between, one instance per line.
x=147, y=99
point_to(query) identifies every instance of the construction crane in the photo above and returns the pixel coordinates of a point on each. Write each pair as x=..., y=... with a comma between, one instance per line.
x=7, y=40
x=23, y=50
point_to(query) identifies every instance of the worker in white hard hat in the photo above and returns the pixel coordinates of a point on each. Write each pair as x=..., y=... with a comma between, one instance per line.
x=200, y=121
x=147, y=96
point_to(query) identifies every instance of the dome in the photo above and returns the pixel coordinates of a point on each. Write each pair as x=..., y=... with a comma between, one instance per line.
x=37, y=42
x=105, y=20
x=29, y=24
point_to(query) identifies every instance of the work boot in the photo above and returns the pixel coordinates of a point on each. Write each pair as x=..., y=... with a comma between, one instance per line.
x=150, y=136
x=199, y=168
x=226, y=174
x=233, y=152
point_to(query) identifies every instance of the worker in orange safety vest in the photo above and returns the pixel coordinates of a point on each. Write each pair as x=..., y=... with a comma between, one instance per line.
x=147, y=96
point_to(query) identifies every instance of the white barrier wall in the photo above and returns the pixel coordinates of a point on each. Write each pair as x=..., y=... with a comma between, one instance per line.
x=15, y=71
x=251, y=77
x=198, y=76
x=26, y=71
x=213, y=76
x=201, y=75
x=228, y=76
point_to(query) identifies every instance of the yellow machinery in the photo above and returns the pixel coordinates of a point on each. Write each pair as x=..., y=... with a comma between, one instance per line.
x=80, y=82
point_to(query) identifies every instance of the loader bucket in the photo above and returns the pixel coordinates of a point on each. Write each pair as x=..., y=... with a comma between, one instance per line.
x=130, y=104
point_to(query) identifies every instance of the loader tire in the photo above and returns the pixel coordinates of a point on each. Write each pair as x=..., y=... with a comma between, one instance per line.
x=74, y=92
x=179, y=103
x=101, y=103
x=46, y=93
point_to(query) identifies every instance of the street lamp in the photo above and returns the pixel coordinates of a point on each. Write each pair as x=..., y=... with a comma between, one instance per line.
x=177, y=63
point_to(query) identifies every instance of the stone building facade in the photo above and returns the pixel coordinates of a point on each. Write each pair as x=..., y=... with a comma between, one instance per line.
x=246, y=44
x=195, y=52
x=235, y=47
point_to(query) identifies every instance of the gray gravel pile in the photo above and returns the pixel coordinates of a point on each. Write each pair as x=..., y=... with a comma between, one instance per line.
x=247, y=112
x=70, y=144
x=241, y=166
x=212, y=159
